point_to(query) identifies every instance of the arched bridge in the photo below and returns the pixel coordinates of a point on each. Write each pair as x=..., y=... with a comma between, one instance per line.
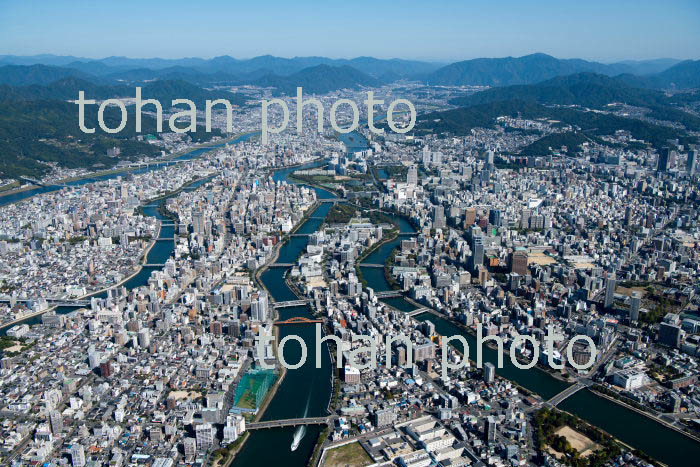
x=298, y=320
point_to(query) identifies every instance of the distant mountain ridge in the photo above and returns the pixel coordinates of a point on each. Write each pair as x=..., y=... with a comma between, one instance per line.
x=511, y=70
x=593, y=91
x=320, y=79
x=585, y=89
x=226, y=70
x=163, y=90
x=536, y=68
x=225, y=64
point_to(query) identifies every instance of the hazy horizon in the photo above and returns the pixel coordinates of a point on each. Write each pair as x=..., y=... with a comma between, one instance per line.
x=426, y=60
x=440, y=32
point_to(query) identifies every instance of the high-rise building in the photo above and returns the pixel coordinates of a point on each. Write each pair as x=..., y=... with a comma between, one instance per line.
x=490, y=425
x=439, y=221
x=518, y=262
x=198, y=222
x=190, y=445
x=670, y=332
x=664, y=159
x=56, y=422
x=204, y=434
x=477, y=252
x=77, y=455
x=495, y=217
x=635, y=302
x=427, y=156
x=469, y=217
x=106, y=369
x=235, y=426
x=258, y=306
x=489, y=372
x=490, y=158
x=691, y=164
x=144, y=338
x=628, y=215
x=412, y=175
x=609, y=293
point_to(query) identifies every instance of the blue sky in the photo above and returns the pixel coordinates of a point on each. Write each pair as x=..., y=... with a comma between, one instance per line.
x=438, y=30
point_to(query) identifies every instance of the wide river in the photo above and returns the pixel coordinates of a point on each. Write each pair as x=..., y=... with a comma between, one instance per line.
x=307, y=390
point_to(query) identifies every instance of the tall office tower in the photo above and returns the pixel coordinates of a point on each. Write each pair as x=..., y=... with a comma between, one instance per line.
x=412, y=175
x=495, y=217
x=56, y=422
x=670, y=334
x=439, y=221
x=628, y=215
x=144, y=338
x=469, y=217
x=490, y=158
x=204, y=434
x=518, y=262
x=477, y=252
x=198, y=222
x=525, y=219
x=664, y=159
x=489, y=372
x=190, y=445
x=231, y=433
x=635, y=302
x=691, y=164
x=258, y=307
x=609, y=293
x=427, y=156
x=490, y=425
x=77, y=455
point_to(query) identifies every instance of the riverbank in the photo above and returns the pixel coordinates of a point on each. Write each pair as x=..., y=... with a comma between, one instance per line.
x=142, y=257
x=168, y=159
x=260, y=283
x=650, y=416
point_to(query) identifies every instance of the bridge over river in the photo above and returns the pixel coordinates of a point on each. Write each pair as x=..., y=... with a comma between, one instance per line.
x=291, y=422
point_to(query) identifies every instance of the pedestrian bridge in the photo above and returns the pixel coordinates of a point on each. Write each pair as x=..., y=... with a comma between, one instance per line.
x=291, y=422
x=371, y=265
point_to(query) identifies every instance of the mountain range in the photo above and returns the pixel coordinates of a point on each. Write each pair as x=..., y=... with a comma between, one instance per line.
x=330, y=74
x=540, y=67
x=37, y=125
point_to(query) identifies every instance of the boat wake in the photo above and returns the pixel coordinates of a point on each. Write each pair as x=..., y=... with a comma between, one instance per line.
x=301, y=430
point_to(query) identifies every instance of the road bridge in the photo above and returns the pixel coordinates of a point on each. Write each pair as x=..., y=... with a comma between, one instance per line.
x=290, y=422
x=418, y=311
x=298, y=320
x=566, y=393
x=51, y=301
x=388, y=294
x=290, y=303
